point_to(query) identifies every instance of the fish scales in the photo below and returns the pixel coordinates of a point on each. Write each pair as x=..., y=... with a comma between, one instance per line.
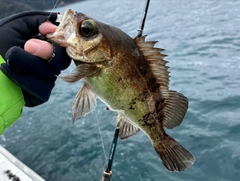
x=125, y=78
x=130, y=76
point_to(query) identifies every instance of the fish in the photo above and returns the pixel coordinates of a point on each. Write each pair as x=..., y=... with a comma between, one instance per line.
x=130, y=76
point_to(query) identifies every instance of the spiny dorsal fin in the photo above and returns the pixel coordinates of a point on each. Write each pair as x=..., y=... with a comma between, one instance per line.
x=84, y=102
x=175, y=107
x=126, y=129
x=155, y=59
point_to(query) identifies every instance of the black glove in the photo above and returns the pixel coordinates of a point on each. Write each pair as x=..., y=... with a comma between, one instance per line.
x=35, y=76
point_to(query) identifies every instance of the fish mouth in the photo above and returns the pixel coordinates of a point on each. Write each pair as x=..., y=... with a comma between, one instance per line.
x=65, y=30
x=77, y=48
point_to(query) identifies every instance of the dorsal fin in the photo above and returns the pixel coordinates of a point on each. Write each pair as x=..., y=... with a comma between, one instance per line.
x=126, y=129
x=155, y=59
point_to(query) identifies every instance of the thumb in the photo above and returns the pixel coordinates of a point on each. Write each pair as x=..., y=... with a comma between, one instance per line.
x=39, y=48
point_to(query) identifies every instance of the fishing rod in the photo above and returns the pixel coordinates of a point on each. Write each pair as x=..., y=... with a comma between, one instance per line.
x=141, y=26
x=107, y=173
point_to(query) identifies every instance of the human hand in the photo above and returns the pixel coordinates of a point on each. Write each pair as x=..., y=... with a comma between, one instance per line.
x=41, y=48
x=27, y=69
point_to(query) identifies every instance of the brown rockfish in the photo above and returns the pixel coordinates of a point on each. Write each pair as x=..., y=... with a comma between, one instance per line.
x=130, y=76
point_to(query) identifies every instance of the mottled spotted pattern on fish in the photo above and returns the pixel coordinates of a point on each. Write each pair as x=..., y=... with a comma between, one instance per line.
x=130, y=76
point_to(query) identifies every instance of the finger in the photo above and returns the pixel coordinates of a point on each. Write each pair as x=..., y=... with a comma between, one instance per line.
x=27, y=23
x=15, y=30
x=60, y=60
x=47, y=27
x=22, y=61
x=39, y=48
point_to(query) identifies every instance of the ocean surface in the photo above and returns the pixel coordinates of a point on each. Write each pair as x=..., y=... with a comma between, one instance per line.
x=202, y=41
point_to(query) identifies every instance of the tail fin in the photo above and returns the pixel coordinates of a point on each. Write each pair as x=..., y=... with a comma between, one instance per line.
x=173, y=155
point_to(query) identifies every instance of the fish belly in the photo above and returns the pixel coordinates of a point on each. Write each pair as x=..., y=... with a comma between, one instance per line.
x=120, y=95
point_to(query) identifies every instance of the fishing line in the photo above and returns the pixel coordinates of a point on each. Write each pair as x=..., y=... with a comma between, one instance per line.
x=100, y=133
x=54, y=6
x=96, y=115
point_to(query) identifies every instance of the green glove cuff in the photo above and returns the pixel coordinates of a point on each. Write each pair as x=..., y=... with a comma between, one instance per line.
x=11, y=101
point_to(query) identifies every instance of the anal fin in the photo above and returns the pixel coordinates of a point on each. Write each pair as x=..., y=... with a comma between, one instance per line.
x=126, y=129
x=84, y=102
x=175, y=107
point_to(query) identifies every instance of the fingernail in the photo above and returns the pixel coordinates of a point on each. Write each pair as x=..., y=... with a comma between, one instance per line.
x=32, y=47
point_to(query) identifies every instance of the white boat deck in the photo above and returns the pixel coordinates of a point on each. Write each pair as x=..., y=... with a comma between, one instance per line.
x=12, y=169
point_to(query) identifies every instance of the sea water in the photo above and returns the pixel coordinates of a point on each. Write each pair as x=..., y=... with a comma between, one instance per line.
x=202, y=41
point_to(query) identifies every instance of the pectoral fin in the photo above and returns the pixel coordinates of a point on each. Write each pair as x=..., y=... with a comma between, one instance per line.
x=82, y=70
x=175, y=107
x=84, y=102
x=126, y=129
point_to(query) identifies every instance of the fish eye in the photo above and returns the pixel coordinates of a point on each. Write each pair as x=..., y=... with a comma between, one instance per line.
x=87, y=28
